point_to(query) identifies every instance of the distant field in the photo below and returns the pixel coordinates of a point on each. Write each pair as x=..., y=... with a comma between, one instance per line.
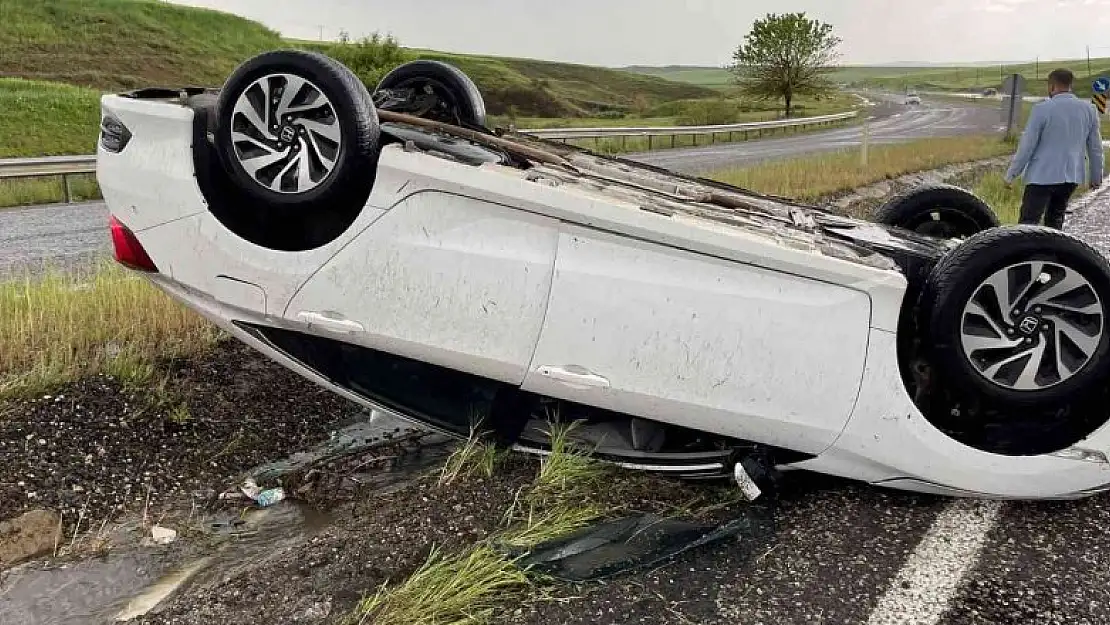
x=710, y=77
x=922, y=78
x=974, y=79
x=720, y=78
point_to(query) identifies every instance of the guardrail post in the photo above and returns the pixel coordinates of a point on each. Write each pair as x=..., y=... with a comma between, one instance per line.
x=649, y=143
x=672, y=141
x=67, y=189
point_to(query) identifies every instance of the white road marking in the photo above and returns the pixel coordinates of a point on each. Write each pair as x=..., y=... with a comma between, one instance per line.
x=930, y=577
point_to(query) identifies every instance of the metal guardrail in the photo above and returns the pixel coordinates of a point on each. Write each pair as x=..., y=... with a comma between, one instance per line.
x=66, y=166
x=41, y=167
x=663, y=131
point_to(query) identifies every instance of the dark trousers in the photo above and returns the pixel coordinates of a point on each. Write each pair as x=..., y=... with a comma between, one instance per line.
x=1048, y=200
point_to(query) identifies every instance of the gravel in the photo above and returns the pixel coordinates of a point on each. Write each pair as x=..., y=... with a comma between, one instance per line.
x=97, y=446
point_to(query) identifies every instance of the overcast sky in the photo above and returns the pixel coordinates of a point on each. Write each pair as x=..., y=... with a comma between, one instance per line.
x=700, y=32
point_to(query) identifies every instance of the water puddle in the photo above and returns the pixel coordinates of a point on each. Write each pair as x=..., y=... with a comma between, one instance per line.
x=75, y=593
x=374, y=452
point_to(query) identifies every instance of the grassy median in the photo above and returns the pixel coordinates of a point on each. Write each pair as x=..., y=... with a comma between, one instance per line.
x=58, y=326
x=812, y=177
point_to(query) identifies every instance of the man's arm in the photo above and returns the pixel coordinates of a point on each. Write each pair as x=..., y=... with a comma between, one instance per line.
x=1028, y=144
x=1095, y=155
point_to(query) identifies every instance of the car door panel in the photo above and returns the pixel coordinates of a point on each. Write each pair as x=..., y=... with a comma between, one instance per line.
x=441, y=278
x=645, y=329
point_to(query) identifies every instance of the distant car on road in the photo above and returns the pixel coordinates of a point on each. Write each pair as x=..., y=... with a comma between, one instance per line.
x=912, y=99
x=393, y=249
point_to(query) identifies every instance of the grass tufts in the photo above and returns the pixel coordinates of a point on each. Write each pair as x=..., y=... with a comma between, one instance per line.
x=460, y=590
x=60, y=325
x=539, y=525
x=475, y=457
x=567, y=473
x=15, y=193
x=810, y=178
x=1005, y=201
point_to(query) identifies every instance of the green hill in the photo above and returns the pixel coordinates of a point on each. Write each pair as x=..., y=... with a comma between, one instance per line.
x=122, y=44
x=119, y=44
x=534, y=88
x=710, y=77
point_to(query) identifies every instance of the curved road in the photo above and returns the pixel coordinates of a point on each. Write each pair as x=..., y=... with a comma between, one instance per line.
x=69, y=235
x=889, y=122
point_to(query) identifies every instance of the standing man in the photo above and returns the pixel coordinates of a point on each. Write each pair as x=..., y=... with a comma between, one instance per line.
x=1050, y=157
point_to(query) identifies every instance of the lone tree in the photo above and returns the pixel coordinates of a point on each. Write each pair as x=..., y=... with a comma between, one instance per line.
x=785, y=56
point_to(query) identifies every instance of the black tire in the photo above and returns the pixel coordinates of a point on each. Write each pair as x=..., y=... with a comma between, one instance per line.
x=351, y=179
x=957, y=278
x=940, y=210
x=433, y=90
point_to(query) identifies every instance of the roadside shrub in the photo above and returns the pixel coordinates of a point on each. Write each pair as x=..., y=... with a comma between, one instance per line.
x=370, y=58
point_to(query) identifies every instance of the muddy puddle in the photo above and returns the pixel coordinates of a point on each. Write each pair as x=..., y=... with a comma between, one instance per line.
x=134, y=577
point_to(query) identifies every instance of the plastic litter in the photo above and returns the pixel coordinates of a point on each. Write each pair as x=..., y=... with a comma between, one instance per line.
x=263, y=498
x=162, y=535
x=639, y=542
x=270, y=496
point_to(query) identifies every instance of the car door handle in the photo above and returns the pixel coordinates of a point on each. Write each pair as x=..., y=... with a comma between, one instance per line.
x=331, y=321
x=575, y=377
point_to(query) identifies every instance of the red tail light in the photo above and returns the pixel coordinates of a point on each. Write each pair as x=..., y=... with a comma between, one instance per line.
x=129, y=252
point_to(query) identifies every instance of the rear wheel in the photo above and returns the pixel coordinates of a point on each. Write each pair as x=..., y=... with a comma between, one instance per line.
x=432, y=90
x=1017, y=316
x=941, y=211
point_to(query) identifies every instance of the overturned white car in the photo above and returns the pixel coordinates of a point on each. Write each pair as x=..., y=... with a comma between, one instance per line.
x=392, y=249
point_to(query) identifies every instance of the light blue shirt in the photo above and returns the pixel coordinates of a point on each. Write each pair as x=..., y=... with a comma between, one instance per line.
x=1061, y=131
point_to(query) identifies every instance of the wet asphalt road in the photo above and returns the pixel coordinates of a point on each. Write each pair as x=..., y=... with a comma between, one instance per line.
x=63, y=235
x=69, y=235
x=890, y=122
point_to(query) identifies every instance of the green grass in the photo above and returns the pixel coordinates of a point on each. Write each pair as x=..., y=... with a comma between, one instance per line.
x=29, y=191
x=41, y=118
x=116, y=44
x=447, y=590
x=61, y=325
x=1006, y=200
x=812, y=177
x=709, y=77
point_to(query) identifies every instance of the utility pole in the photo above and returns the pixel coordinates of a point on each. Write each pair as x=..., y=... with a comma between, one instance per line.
x=1037, y=71
x=321, y=32
x=1089, y=74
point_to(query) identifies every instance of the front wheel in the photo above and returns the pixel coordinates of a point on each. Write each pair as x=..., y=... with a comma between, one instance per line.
x=1017, y=316
x=433, y=90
